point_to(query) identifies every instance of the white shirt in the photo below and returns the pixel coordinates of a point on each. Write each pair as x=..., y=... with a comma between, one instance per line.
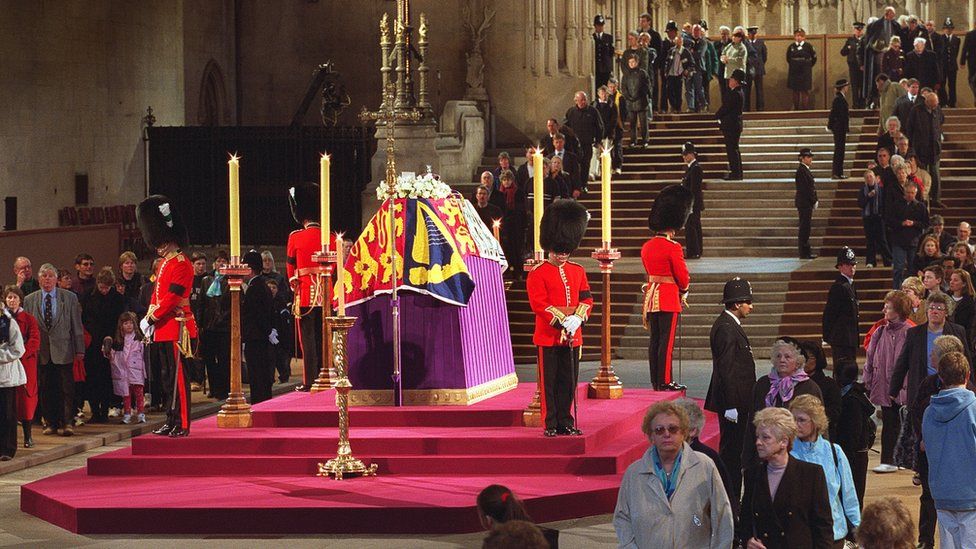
x=737, y=320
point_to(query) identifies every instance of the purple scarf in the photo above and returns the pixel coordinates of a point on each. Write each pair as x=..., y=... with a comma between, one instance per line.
x=783, y=386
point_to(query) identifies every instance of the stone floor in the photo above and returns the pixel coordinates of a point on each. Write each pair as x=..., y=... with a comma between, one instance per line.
x=23, y=530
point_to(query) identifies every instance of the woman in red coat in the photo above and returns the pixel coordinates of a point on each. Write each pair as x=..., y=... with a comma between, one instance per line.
x=667, y=281
x=13, y=298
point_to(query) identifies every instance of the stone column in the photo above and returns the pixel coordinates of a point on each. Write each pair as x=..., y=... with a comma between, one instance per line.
x=539, y=33
x=552, y=43
x=704, y=12
x=571, y=44
x=744, y=13
x=803, y=18
x=788, y=16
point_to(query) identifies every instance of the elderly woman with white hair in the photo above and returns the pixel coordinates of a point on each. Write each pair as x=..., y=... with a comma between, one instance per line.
x=12, y=375
x=673, y=496
x=786, y=380
x=785, y=503
x=696, y=424
x=812, y=447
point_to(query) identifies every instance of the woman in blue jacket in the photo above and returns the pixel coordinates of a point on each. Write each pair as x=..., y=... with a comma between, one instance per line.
x=812, y=447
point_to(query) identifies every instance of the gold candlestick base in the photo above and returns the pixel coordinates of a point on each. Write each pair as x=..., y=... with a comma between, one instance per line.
x=344, y=464
x=327, y=377
x=606, y=384
x=235, y=413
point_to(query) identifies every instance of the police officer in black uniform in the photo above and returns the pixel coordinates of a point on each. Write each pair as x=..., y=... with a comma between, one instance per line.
x=950, y=66
x=805, y=201
x=840, y=315
x=853, y=51
x=733, y=377
x=729, y=116
x=603, y=43
x=692, y=180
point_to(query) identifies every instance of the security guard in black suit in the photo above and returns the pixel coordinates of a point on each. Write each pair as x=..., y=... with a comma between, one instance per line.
x=853, y=51
x=839, y=123
x=950, y=67
x=603, y=43
x=692, y=180
x=840, y=315
x=805, y=201
x=729, y=116
x=733, y=377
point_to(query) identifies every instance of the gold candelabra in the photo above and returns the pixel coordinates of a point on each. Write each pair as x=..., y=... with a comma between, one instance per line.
x=344, y=464
x=605, y=384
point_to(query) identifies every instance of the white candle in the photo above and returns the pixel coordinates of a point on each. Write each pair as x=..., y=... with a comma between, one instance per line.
x=340, y=287
x=538, y=188
x=605, y=196
x=234, y=167
x=324, y=199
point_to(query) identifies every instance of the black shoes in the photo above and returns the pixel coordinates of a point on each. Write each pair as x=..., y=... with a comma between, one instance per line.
x=179, y=433
x=550, y=433
x=164, y=430
x=303, y=389
x=569, y=431
x=674, y=387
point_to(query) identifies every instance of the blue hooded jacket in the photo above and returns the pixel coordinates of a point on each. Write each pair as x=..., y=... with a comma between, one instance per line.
x=949, y=432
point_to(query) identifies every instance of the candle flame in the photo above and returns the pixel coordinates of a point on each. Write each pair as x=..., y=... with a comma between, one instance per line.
x=326, y=155
x=496, y=223
x=234, y=157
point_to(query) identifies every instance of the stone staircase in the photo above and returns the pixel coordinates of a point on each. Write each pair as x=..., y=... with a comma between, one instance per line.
x=752, y=220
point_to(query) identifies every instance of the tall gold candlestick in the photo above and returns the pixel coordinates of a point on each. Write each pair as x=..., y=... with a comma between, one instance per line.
x=344, y=463
x=235, y=413
x=325, y=179
x=234, y=168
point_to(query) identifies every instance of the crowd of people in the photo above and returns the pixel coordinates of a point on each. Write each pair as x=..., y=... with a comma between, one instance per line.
x=83, y=344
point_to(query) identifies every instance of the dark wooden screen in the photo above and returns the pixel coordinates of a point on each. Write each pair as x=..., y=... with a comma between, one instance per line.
x=189, y=165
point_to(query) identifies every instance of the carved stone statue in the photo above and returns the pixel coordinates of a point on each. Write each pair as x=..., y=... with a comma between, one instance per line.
x=475, y=76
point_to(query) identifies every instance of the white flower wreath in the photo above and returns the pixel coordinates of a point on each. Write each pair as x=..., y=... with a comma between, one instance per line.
x=415, y=186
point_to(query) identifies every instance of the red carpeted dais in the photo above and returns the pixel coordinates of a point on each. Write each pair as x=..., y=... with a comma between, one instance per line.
x=433, y=461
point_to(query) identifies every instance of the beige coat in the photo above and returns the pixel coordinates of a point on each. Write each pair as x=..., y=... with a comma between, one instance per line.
x=888, y=95
x=698, y=514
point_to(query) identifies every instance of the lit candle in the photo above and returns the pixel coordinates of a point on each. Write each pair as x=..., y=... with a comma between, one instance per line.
x=538, y=188
x=324, y=190
x=340, y=287
x=605, y=196
x=234, y=167
x=496, y=228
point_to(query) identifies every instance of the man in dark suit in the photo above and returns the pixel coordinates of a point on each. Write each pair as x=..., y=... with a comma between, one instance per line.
x=905, y=103
x=257, y=332
x=853, y=50
x=552, y=128
x=969, y=54
x=756, y=63
x=588, y=127
x=838, y=122
x=924, y=131
x=692, y=180
x=733, y=377
x=922, y=63
x=58, y=315
x=840, y=314
x=805, y=201
x=914, y=364
x=906, y=219
x=950, y=67
x=729, y=117
x=571, y=162
x=603, y=51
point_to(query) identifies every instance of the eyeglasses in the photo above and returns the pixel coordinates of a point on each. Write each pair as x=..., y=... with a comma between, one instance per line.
x=673, y=429
x=937, y=308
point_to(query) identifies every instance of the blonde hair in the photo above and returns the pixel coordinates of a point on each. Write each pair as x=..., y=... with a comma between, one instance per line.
x=127, y=256
x=778, y=420
x=812, y=407
x=914, y=284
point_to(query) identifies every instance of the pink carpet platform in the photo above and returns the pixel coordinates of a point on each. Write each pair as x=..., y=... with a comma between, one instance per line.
x=432, y=462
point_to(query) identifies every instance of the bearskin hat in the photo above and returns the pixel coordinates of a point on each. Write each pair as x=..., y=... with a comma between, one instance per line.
x=671, y=209
x=160, y=223
x=563, y=225
x=304, y=202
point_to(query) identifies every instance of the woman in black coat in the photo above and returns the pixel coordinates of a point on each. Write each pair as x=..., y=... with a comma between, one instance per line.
x=510, y=199
x=100, y=313
x=801, y=58
x=785, y=503
x=961, y=291
x=785, y=381
x=816, y=367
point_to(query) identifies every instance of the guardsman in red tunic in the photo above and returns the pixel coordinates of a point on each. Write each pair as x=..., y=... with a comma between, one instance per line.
x=561, y=300
x=169, y=322
x=303, y=277
x=667, y=281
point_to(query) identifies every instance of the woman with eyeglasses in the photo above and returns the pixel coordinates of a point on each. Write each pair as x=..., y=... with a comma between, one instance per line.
x=785, y=503
x=673, y=496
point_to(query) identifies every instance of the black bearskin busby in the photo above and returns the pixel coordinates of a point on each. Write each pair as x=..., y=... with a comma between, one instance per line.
x=160, y=223
x=671, y=209
x=304, y=202
x=563, y=225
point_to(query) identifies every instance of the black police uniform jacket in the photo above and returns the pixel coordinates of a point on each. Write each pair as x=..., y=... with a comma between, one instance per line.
x=604, y=53
x=733, y=368
x=806, y=191
x=801, y=59
x=798, y=517
x=839, y=120
x=840, y=314
x=729, y=114
x=950, y=53
x=852, y=51
x=692, y=180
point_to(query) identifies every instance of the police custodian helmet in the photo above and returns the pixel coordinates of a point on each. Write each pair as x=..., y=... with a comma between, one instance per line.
x=737, y=290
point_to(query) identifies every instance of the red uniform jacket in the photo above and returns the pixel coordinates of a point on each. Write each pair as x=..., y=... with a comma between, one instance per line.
x=555, y=293
x=667, y=275
x=302, y=244
x=171, y=298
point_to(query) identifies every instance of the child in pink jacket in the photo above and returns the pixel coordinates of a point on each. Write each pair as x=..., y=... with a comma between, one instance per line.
x=128, y=368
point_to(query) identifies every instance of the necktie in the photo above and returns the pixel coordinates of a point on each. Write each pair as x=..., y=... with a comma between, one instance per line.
x=48, y=312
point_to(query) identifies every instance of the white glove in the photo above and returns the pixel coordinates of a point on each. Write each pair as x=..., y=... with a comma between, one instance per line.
x=147, y=328
x=572, y=323
x=273, y=336
x=732, y=415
